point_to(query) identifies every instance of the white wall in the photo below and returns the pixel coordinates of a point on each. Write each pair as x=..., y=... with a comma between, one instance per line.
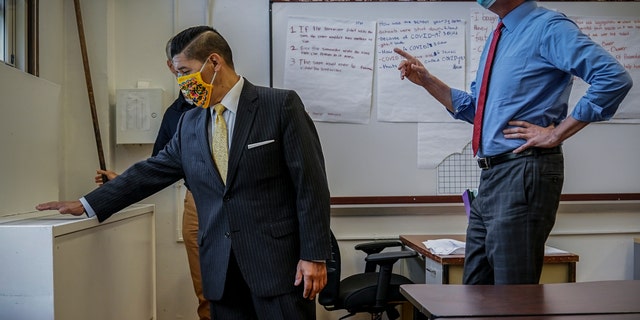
x=245, y=25
x=30, y=158
x=125, y=43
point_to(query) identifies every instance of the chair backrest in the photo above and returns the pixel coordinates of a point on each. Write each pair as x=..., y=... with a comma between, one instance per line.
x=329, y=295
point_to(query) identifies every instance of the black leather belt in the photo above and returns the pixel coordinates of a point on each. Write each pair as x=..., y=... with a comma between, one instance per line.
x=488, y=162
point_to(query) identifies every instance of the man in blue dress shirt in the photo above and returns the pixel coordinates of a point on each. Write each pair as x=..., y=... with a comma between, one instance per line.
x=525, y=122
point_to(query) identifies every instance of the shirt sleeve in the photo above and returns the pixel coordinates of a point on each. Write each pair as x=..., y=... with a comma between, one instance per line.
x=87, y=208
x=570, y=50
x=463, y=105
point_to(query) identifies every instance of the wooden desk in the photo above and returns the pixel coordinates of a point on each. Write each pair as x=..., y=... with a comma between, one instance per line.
x=621, y=316
x=447, y=269
x=557, y=299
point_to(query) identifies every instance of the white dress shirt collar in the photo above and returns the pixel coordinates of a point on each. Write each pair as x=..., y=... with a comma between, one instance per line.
x=232, y=98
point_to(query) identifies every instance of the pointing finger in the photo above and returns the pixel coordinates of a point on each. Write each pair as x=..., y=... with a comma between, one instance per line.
x=403, y=53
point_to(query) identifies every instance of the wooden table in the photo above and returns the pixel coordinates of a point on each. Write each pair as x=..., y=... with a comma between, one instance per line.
x=556, y=301
x=620, y=316
x=447, y=269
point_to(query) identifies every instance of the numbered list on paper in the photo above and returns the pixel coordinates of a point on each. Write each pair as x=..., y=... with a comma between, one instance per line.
x=329, y=62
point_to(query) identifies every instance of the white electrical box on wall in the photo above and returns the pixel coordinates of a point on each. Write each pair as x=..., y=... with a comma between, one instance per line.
x=138, y=115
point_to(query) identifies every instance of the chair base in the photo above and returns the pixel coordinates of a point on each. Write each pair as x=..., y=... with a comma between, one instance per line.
x=390, y=310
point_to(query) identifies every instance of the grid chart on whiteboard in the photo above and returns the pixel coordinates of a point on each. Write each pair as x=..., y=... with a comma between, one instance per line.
x=458, y=172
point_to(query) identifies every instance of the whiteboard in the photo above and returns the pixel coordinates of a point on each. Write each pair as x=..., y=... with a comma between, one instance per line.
x=379, y=158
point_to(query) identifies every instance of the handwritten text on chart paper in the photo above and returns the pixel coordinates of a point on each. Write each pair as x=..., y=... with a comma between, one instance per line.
x=331, y=56
x=438, y=44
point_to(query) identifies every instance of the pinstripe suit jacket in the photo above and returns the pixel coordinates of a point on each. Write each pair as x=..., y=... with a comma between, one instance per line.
x=274, y=209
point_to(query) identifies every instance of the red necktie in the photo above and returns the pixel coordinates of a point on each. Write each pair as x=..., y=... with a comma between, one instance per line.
x=477, y=121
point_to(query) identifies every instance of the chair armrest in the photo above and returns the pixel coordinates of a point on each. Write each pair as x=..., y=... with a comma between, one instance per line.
x=390, y=257
x=378, y=246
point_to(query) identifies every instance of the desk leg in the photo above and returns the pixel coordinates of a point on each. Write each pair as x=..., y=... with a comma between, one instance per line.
x=571, y=277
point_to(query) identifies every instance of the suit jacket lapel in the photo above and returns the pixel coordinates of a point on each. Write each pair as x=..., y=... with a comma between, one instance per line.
x=245, y=116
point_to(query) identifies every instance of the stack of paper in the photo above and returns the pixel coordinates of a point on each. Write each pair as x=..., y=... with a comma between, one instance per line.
x=445, y=246
x=552, y=250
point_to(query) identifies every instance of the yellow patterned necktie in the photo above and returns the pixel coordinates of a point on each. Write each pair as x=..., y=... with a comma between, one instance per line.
x=220, y=143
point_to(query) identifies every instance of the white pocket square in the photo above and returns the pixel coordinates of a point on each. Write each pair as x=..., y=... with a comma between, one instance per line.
x=258, y=144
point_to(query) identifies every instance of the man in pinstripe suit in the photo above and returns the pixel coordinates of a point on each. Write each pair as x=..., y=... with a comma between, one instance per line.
x=264, y=228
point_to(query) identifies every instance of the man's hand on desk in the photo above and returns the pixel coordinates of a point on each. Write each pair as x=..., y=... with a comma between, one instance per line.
x=65, y=207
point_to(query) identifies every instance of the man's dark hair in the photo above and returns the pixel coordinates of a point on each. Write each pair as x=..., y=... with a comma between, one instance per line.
x=200, y=42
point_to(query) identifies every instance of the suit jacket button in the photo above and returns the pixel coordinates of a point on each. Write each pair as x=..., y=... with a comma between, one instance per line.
x=226, y=198
x=227, y=234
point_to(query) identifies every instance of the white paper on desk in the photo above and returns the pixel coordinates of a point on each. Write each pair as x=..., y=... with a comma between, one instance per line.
x=552, y=250
x=445, y=246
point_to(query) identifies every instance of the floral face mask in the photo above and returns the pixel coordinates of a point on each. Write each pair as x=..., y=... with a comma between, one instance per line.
x=194, y=89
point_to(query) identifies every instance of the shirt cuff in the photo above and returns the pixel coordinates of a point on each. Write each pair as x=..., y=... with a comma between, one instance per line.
x=87, y=208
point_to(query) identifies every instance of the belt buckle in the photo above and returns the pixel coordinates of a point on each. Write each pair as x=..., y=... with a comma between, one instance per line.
x=483, y=163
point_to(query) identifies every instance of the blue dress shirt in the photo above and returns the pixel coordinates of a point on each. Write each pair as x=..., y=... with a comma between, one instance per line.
x=537, y=56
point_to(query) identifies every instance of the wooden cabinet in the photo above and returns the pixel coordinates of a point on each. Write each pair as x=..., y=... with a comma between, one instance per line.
x=64, y=267
x=447, y=269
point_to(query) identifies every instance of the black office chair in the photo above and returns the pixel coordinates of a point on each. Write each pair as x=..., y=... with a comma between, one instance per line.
x=374, y=291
